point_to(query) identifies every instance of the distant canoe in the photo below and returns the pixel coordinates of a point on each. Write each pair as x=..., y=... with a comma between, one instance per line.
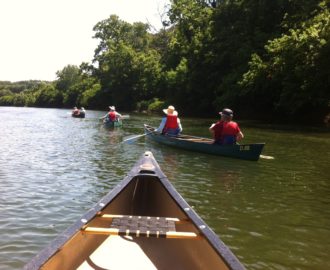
x=142, y=224
x=205, y=145
x=80, y=115
x=110, y=124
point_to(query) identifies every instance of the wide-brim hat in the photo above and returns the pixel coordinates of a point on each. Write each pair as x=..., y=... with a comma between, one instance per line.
x=112, y=108
x=227, y=112
x=170, y=110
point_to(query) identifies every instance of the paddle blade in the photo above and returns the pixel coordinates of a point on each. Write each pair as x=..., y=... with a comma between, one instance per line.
x=125, y=116
x=266, y=157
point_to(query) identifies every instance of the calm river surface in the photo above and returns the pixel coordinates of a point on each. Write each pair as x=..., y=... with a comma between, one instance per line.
x=273, y=214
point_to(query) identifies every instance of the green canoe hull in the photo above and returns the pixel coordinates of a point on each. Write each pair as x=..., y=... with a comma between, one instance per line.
x=205, y=145
x=113, y=124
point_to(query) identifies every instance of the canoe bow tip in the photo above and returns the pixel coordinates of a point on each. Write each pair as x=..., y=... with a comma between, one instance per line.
x=147, y=165
x=147, y=153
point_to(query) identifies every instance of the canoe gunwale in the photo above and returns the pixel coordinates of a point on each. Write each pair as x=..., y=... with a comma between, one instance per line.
x=138, y=171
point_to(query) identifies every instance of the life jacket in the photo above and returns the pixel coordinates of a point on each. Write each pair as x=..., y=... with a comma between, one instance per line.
x=229, y=132
x=76, y=112
x=218, y=131
x=230, y=128
x=112, y=116
x=171, y=121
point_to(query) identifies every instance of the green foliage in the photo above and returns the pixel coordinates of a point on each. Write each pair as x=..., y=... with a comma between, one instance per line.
x=128, y=68
x=176, y=80
x=188, y=69
x=113, y=30
x=293, y=76
x=153, y=105
x=210, y=54
x=156, y=105
x=148, y=71
x=48, y=96
x=67, y=77
x=67, y=83
x=117, y=76
x=7, y=100
x=18, y=93
x=5, y=92
x=89, y=97
x=142, y=106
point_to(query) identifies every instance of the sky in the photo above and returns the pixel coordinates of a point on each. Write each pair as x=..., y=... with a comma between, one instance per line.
x=40, y=37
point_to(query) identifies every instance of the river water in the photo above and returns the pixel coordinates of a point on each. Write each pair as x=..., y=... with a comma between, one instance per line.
x=273, y=214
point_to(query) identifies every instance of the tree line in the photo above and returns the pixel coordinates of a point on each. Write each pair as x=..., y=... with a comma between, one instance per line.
x=267, y=60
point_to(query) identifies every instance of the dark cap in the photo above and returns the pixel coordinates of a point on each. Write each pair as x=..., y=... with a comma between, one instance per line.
x=227, y=112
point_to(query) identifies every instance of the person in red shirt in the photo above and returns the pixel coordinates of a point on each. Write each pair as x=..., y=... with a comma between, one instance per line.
x=112, y=115
x=170, y=124
x=226, y=131
x=75, y=111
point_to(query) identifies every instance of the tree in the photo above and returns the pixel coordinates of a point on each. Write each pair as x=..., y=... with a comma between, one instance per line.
x=66, y=82
x=128, y=68
x=48, y=96
x=293, y=76
x=188, y=66
x=113, y=31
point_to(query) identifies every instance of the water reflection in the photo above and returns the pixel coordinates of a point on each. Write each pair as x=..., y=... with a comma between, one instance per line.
x=115, y=135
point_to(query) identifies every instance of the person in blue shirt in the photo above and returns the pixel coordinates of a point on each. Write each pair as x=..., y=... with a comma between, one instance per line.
x=170, y=124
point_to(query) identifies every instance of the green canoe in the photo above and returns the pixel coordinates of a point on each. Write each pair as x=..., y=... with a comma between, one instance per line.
x=111, y=124
x=205, y=145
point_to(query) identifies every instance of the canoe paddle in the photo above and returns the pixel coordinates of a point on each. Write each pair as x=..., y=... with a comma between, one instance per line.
x=125, y=116
x=266, y=157
x=131, y=139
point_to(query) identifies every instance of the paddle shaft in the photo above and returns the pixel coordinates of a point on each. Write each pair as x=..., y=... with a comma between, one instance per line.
x=136, y=137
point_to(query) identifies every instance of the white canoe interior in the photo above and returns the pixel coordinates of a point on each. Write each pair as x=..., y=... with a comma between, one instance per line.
x=118, y=252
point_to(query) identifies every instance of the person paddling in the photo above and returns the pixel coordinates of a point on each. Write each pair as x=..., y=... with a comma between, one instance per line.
x=226, y=131
x=112, y=115
x=170, y=124
x=75, y=111
x=82, y=111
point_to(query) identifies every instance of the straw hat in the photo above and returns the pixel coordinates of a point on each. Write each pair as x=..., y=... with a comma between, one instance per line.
x=170, y=110
x=227, y=112
x=112, y=108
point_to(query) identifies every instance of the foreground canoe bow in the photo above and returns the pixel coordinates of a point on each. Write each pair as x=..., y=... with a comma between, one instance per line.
x=143, y=223
x=205, y=145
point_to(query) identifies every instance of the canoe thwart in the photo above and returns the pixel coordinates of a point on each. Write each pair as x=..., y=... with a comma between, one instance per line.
x=160, y=227
x=140, y=233
x=110, y=216
x=150, y=219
